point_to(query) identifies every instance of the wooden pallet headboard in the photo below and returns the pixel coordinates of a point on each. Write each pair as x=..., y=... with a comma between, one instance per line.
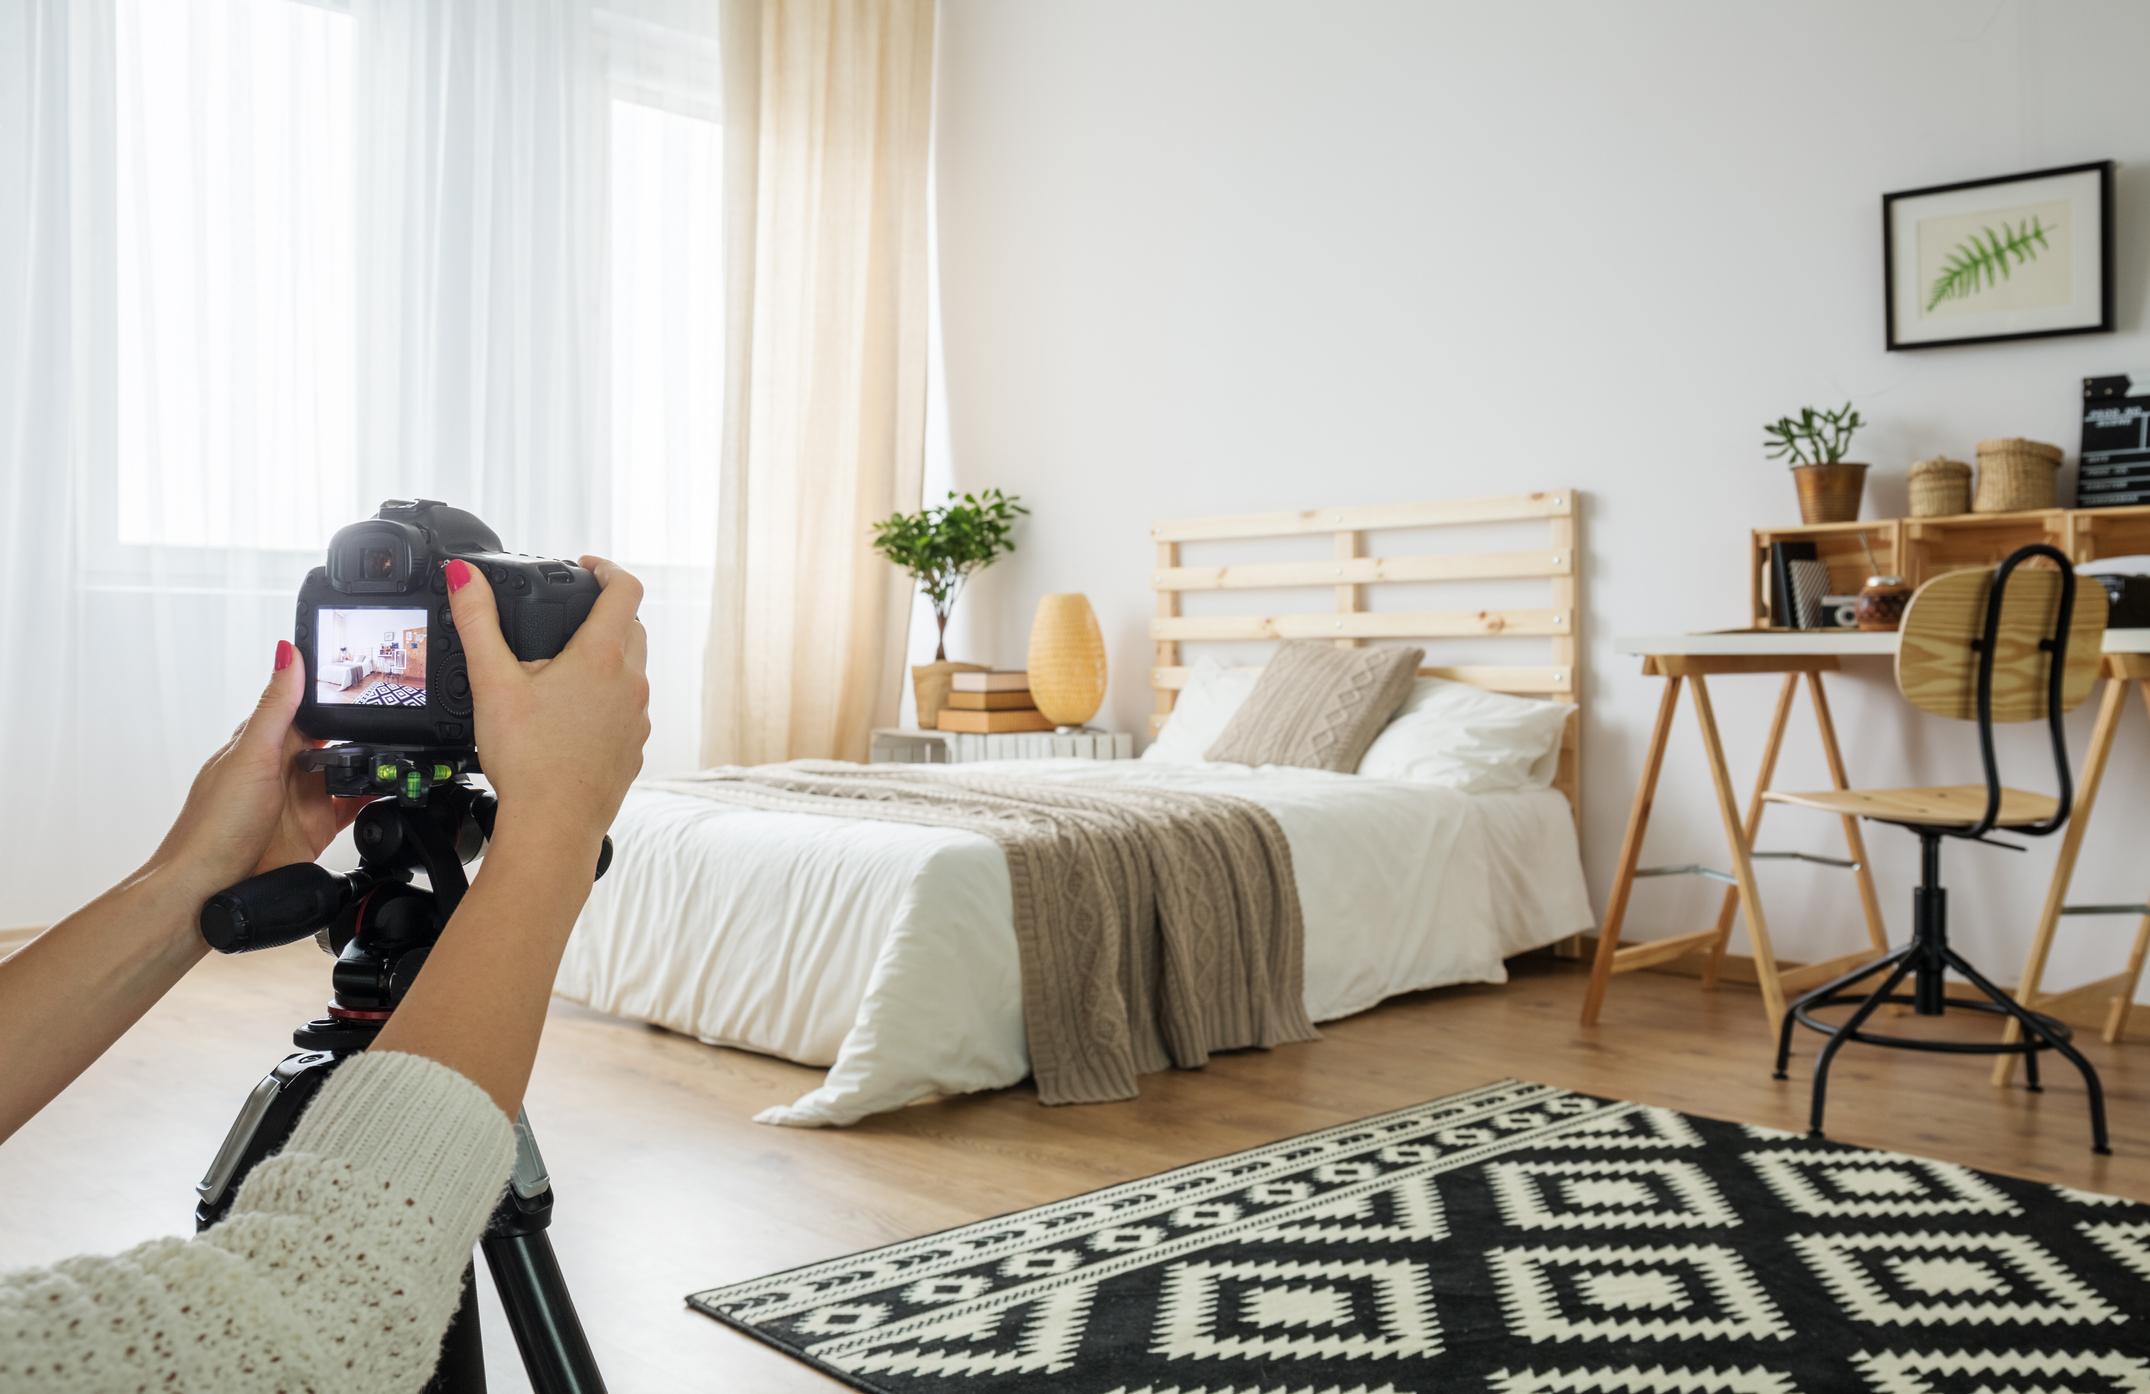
x=1556, y=626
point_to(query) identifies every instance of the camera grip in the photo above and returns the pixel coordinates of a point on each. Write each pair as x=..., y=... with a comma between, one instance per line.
x=277, y=907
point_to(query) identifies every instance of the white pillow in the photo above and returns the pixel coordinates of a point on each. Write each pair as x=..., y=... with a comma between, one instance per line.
x=1204, y=708
x=1467, y=738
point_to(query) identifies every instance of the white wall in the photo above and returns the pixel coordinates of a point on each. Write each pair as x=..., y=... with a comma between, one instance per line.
x=1231, y=255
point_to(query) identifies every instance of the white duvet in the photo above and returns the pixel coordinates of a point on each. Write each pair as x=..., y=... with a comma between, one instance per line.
x=887, y=951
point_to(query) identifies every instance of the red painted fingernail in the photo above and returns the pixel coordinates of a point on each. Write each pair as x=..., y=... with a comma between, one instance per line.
x=459, y=574
x=284, y=654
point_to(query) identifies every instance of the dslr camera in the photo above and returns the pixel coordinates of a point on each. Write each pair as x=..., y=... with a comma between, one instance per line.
x=384, y=666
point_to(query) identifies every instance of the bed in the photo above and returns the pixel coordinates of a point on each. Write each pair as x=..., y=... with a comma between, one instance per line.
x=343, y=672
x=886, y=951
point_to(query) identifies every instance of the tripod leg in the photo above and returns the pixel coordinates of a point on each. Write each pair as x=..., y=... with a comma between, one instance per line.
x=542, y=1315
x=1843, y=1034
x=462, y=1352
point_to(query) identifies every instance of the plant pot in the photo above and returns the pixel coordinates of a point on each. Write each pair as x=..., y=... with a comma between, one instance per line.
x=930, y=682
x=1829, y=493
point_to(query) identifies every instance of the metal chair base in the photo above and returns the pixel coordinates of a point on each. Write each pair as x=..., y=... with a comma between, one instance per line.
x=1927, y=959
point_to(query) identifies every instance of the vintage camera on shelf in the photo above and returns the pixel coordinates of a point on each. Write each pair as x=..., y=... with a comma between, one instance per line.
x=384, y=665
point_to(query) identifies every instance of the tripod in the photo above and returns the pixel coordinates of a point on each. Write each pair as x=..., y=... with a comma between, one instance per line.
x=380, y=928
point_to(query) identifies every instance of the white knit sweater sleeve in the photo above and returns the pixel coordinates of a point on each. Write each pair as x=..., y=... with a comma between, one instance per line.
x=337, y=1270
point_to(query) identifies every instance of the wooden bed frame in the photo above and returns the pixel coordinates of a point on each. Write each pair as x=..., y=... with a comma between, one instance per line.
x=1558, y=624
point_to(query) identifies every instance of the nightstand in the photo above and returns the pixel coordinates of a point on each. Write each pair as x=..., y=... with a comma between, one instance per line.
x=911, y=746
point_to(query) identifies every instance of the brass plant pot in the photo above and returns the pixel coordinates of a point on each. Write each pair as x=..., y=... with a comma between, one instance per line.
x=931, y=682
x=1830, y=493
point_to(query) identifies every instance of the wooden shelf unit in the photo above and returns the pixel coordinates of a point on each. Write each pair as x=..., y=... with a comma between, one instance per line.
x=1919, y=549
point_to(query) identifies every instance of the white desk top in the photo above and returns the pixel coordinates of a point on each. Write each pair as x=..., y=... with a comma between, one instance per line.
x=1843, y=643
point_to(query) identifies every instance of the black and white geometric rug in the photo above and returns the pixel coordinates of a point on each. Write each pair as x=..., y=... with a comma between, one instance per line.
x=392, y=694
x=1516, y=1239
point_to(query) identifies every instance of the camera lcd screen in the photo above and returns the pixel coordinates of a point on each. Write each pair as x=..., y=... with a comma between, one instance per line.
x=370, y=658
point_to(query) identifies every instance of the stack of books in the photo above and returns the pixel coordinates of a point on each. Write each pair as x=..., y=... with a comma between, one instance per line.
x=989, y=703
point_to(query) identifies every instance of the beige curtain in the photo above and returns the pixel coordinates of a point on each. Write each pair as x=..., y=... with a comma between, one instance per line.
x=828, y=111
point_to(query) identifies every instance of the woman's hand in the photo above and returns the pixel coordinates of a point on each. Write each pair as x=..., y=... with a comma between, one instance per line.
x=560, y=739
x=73, y=990
x=251, y=809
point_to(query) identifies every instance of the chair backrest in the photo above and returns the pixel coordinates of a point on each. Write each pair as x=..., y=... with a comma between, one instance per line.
x=1937, y=662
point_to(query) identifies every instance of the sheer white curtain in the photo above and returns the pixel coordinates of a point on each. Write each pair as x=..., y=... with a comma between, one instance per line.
x=234, y=268
x=828, y=377
x=40, y=608
x=665, y=319
x=264, y=263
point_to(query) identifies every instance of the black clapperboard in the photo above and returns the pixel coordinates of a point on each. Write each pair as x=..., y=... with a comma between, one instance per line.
x=2115, y=468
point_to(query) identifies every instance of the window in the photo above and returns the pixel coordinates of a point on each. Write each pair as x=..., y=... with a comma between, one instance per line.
x=237, y=351
x=667, y=297
x=235, y=280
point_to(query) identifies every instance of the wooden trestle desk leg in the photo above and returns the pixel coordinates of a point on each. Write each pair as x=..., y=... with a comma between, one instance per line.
x=1813, y=974
x=2071, y=843
x=2116, y=1017
x=1755, y=805
x=1750, y=897
x=1638, y=821
x=1877, y=932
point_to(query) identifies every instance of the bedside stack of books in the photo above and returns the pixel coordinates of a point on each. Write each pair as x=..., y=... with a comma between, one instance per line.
x=986, y=704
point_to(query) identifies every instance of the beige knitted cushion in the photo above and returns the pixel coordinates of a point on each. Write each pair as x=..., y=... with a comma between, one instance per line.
x=1318, y=706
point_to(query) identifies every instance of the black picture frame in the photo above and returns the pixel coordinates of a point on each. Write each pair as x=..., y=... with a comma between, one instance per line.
x=1891, y=255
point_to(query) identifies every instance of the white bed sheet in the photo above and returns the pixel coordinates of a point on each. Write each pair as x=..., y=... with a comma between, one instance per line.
x=887, y=951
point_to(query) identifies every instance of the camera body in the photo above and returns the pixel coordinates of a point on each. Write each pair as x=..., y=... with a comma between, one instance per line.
x=384, y=664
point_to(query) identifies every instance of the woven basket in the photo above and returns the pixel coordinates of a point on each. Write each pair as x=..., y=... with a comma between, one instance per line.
x=2015, y=475
x=1940, y=487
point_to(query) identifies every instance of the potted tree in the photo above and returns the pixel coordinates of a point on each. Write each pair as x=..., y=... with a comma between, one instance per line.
x=941, y=548
x=1829, y=488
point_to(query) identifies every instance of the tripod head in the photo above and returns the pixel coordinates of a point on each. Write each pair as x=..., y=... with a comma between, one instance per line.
x=374, y=921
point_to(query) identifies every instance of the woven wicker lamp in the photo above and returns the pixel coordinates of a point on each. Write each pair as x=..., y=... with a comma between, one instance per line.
x=1067, y=660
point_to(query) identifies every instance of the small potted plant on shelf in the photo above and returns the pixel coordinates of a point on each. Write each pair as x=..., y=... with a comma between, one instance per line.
x=1829, y=488
x=940, y=548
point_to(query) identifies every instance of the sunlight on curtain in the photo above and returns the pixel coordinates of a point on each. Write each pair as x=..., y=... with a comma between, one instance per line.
x=236, y=348
x=828, y=356
x=667, y=293
x=665, y=319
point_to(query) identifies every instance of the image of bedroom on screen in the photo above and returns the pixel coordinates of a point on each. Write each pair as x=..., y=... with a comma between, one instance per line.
x=370, y=658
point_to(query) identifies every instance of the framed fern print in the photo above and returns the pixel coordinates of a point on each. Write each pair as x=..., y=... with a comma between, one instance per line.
x=2027, y=256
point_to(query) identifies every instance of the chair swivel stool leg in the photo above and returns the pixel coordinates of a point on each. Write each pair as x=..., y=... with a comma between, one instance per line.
x=1927, y=960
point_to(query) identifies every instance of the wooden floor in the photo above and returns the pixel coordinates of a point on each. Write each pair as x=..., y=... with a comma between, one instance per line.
x=665, y=1185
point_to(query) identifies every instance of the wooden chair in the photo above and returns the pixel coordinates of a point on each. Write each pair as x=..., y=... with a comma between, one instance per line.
x=1981, y=646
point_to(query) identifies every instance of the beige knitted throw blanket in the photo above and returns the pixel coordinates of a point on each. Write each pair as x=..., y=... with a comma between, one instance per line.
x=1153, y=926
